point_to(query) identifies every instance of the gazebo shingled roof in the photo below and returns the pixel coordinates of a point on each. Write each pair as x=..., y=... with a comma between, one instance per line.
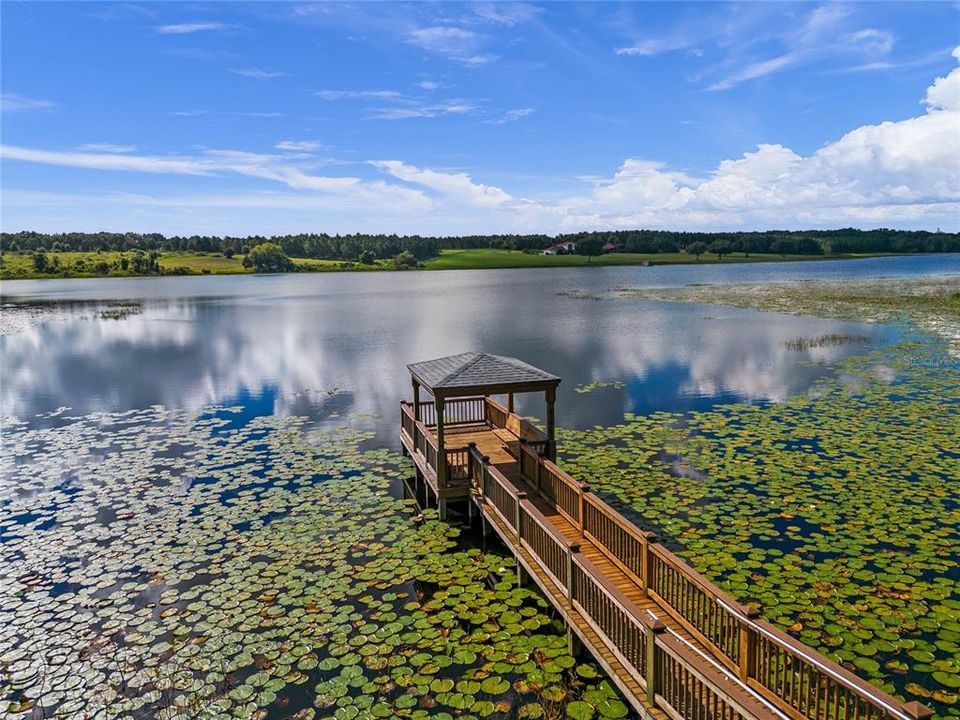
x=477, y=372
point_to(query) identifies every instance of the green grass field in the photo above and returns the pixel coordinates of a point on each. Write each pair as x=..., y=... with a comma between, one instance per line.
x=18, y=266
x=487, y=258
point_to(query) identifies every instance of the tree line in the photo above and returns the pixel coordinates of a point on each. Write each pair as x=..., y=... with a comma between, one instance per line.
x=366, y=247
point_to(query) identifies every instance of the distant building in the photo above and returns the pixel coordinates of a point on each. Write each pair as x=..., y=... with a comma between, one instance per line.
x=560, y=249
x=609, y=247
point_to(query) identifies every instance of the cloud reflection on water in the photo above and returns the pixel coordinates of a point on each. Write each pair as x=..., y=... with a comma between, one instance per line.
x=358, y=336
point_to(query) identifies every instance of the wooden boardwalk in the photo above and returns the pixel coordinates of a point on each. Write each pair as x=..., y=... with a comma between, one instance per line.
x=675, y=645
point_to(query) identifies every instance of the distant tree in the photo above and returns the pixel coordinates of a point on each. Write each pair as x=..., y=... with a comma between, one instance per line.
x=780, y=247
x=696, y=249
x=591, y=245
x=367, y=257
x=124, y=262
x=268, y=258
x=80, y=266
x=101, y=268
x=404, y=261
x=720, y=248
x=40, y=261
x=229, y=251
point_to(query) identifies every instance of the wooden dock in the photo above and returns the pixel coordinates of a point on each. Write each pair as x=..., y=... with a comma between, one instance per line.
x=677, y=646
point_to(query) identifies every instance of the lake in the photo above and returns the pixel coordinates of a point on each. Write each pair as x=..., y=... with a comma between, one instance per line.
x=312, y=344
x=199, y=477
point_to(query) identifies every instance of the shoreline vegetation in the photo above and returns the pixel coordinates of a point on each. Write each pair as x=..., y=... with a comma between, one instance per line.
x=30, y=255
x=102, y=264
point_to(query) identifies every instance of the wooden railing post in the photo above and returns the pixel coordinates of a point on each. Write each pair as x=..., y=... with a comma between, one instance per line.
x=646, y=561
x=523, y=450
x=584, y=489
x=651, y=660
x=916, y=710
x=484, y=462
x=471, y=447
x=748, y=644
x=573, y=548
x=521, y=496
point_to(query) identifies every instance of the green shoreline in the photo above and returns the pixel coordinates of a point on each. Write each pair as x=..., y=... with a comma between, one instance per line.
x=18, y=266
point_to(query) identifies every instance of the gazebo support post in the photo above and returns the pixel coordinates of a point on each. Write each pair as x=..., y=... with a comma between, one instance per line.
x=510, y=402
x=416, y=400
x=438, y=403
x=550, y=394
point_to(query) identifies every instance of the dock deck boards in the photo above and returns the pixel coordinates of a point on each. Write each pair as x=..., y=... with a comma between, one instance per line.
x=493, y=445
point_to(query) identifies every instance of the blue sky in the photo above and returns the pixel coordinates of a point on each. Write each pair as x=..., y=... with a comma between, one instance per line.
x=462, y=118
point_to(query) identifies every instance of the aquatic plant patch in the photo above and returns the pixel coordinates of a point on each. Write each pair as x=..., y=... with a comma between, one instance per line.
x=168, y=565
x=930, y=303
x=836, y=511
x=599, y=385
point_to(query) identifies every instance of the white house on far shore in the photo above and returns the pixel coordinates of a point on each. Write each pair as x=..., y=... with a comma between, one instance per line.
x=563, y=248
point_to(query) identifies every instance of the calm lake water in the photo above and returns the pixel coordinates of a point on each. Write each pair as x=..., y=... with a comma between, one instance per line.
x=113, y=504
x=322, y=343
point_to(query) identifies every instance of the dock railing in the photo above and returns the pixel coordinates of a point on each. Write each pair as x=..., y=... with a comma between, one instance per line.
x=799, y=681
x=661, y=665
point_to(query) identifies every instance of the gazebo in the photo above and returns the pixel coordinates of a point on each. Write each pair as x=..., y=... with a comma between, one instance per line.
x=461, y=387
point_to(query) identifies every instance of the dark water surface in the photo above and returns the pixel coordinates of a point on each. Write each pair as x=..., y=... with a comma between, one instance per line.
x=319, y=343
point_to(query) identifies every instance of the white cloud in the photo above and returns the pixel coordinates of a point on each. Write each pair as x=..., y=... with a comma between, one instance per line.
x=457, y=186
x=455, y=43
x=402, y=107
x=755, y=42
x=108, y=148
x=512, y=115
x=872, y=40
x=359, y=94
x=211, y=163
x=505, y=13
x=654, y=46
x=11, y=102
x=429, y=85
x=424, y=110
x=944, y=94
x=299, y=145
x=443, y=39
x=226, y=113
x=188, y=28
x=757, y=70
x=258, y=74
x=893, y=174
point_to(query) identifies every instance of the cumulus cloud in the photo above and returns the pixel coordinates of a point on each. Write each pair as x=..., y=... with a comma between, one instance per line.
x=456, y=186
x=899, y=173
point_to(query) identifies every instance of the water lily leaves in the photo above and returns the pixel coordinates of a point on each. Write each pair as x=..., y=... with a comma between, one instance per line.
x=250, y=566
x=834, y=510
x=579, y=710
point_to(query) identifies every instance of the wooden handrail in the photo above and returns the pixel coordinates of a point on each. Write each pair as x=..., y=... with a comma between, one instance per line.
x=675, y=695
x=625, y=603
x=731, y=631
x=796, y=679
x=701, y=582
